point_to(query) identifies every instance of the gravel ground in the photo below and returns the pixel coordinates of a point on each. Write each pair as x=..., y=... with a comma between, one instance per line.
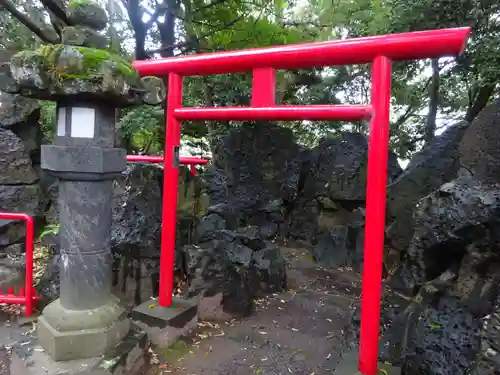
x=4, y=362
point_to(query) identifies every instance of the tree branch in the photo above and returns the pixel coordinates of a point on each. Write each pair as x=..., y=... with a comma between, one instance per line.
x=158, y=11
x=194, y=40
x=26, y=21
x=212, y=4
x=480, y=101
x=307, y=23
x=54, y=8
x=57, y=23
x=411, y=107
x=430, y=123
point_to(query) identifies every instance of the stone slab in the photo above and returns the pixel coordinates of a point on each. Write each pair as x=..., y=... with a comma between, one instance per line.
x=74, y=334
x=128, y=358
x=348, y=365
x=83, y=36
x=178, y=315
x=76, y=159
x=165, y=325
x=85, y=343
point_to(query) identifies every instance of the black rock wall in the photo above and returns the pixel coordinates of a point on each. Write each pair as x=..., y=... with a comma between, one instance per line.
x=430, y=168
x=451, y=263
x=20, y=188
x=264, y=187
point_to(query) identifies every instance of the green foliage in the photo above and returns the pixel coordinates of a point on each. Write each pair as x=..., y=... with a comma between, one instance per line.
x=142, y=128
x=48, y=120
x=250, y=33
x=50, y=229
x=79, y=3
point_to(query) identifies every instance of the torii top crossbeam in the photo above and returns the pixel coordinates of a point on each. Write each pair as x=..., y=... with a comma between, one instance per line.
x=397, y=47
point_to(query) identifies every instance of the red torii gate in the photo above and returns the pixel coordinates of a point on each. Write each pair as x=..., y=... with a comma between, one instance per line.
x=378, y=50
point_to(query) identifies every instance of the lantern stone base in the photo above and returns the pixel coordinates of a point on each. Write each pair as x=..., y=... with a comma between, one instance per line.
x=348, y=365
x=72, y=334
x=165, y=325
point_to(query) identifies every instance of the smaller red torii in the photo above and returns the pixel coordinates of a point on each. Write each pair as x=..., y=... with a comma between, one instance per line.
x=183, y=160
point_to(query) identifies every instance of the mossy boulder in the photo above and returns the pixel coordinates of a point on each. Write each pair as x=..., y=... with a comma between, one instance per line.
x=27, y=70
x=84, y=36
x=87, y=13
x=7, y=83
x=54, y=71
x=16, y=111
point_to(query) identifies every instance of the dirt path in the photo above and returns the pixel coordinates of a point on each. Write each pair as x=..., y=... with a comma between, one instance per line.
x=298, y=332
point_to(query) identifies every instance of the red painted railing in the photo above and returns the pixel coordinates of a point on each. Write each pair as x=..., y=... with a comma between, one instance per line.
x=27, y=294
x=378, y=50
x=183, y=160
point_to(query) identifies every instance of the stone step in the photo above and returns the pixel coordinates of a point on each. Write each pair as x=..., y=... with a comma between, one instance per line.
x=165, y=325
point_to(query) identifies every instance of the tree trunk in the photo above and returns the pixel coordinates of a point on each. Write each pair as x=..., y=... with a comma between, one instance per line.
x=135, y=15
x=167, y=28
x=430, y=124
x=479, y=102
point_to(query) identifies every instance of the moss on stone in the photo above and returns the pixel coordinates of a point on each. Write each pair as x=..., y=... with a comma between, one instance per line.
x=49, y=53
x=93, y=59
x=27, y=58
x=77, y=3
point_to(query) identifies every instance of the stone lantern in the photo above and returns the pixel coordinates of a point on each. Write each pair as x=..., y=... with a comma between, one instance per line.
x=89, y=84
